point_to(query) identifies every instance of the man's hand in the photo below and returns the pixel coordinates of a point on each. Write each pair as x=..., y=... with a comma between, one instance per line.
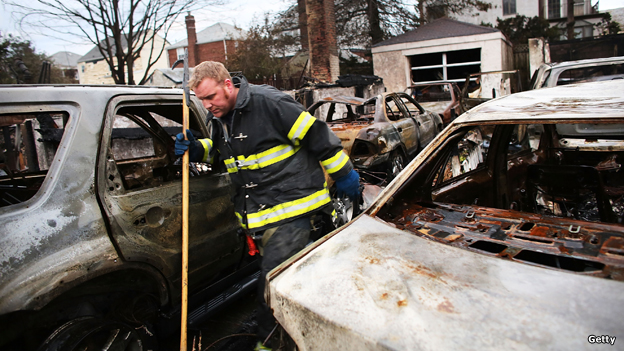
x=182, y=145
x=349, y=185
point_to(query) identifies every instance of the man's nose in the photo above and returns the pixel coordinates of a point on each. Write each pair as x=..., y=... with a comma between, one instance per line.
x=206, y=104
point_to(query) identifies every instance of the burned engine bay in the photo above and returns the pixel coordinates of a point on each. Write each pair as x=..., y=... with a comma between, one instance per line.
x=544, y=194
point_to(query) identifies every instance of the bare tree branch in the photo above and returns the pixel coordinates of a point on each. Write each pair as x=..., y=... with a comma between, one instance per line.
x=120, y=29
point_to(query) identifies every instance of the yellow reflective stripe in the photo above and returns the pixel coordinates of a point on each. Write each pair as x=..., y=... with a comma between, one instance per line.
x=289, y=209
x=268, y=157
x=207, y=144
x=230, y=164
x=335, y=163
x=261, y=160
x=240, y=219
x=301, y=127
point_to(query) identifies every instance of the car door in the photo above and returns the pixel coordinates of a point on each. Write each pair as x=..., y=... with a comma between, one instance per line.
x=402, y=123
x=423, y=119
x=139, y=182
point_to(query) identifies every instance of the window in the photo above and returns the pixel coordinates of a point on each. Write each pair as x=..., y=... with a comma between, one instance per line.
x=29, y=143
x=525, y=137
x=141, y=146
x=180, y=52
x=554, y=8
x=392, y=109
x=452, y=65
x=509, y=7
x=468, y=154
x=593, y=73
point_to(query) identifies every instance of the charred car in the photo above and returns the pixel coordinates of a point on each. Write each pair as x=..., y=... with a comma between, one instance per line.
x=380, y=134
x=442, y=97
x=569, y=72
x=506, y=232
x=483, y=86
x=90, y=217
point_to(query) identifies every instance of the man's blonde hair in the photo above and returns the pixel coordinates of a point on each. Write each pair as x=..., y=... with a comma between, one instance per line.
x=208, y=69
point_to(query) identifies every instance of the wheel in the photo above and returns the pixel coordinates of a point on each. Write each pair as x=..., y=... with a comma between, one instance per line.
x=395, y=165
x=90, y=333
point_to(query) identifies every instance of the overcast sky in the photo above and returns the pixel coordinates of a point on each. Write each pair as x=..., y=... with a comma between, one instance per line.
x=242, y=13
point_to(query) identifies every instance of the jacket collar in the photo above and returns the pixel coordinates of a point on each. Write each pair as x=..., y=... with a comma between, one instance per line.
x=242, y=99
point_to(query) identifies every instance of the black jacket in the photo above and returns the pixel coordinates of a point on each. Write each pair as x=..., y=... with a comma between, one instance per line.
x=273, y=154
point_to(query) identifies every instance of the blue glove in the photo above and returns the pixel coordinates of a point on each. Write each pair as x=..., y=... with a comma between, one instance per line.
x=182, y=145
x=349, y=185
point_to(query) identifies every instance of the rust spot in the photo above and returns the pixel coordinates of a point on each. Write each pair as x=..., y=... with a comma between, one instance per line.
x=402, y=303
x=544, y=232
x=372, y=260
x=446, y=306
x=384, y=296
x=564, y=249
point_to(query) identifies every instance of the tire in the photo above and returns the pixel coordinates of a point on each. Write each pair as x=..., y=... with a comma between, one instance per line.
x=395, y=165
x=91, y=333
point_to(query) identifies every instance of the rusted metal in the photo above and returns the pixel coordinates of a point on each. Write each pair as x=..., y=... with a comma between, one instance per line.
x=375, y=134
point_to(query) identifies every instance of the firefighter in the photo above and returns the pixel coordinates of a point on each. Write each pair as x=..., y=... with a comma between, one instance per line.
x=274, y=151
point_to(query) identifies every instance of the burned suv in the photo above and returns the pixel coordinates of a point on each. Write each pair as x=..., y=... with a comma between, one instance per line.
x=90, y=216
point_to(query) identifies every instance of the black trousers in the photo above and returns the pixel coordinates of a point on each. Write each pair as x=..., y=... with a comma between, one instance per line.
x=285, y=241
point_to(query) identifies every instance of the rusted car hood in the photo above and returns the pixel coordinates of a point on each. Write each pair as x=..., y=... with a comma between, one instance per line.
x=374, y=287
x=348, y=132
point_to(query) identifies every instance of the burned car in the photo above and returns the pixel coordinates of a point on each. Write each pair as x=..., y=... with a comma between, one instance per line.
x=581, y=71
x=380, y=134
x=506, y=232
x=90, y=217
x=442, y=97
x=483, y=86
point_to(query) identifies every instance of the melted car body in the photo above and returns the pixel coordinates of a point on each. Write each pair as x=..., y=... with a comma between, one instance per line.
x=380, y=134
x=507, y=230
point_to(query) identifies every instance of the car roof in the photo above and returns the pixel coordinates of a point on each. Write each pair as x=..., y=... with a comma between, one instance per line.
x=586, y=62
x=602, y=99
x=48, y=92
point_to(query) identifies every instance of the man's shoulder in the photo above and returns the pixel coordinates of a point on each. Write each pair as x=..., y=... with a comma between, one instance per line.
x=266, y=92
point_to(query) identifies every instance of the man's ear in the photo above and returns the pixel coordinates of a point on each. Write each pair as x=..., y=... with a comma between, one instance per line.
x=229, y=85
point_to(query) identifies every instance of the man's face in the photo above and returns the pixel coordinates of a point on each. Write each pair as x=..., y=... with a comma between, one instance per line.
x=216, y=96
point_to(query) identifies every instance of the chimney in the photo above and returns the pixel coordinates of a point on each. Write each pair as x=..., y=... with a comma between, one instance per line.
x=324, y=63
x=303, y=25
x=191, y=39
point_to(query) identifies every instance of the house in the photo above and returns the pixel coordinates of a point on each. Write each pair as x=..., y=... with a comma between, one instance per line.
x=444, y=49
x=93, y=68
x=586, y=16
x=167, y=77
x=211, y=44
x=67, y=62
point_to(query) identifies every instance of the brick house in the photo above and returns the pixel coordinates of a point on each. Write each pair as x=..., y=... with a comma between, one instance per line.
x=211, y=44
x=93, y=68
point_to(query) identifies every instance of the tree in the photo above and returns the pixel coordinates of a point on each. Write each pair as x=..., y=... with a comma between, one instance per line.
x=119, y=29
x=19, y=63
x=520, y=29
x=263, y=52
x=607, y=26
x=367, y=22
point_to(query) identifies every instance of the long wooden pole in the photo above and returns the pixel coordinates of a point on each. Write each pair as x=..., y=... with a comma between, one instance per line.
x=185, y=235
x=185, y=208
